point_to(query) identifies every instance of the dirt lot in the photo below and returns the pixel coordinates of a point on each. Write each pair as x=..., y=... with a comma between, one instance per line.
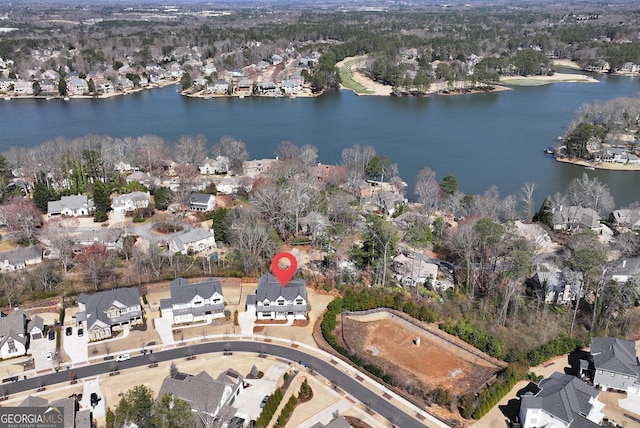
x=391, y=345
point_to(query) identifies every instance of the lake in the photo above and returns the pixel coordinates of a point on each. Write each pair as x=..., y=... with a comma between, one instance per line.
x=483, y=139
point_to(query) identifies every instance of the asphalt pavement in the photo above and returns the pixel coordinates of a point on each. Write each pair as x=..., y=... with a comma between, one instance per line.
x=362, y=393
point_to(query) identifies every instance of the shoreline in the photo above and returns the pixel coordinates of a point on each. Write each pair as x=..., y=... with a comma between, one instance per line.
x=602, y=165
x=150, y=87
x=372, y=88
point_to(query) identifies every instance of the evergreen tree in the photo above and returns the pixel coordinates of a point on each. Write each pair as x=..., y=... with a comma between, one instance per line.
x=62, y=87
x=545, y=213
x=41, y=196
x=101, y=200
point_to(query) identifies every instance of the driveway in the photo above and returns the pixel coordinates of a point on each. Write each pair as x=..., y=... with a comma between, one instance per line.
x=250, y=398
x=246, y=321
x=88, y=387
x=39, y=348
x=76, y=347
x=163, y=327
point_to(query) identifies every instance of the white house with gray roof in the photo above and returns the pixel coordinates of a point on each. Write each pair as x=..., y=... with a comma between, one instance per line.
x=14, y=340
x=563, y=401
x=189, y=302
x=202, y=202
x=614, y=363
x=20, y=258
x=73, y=206
x=575, y=217
x=106, y=311
x=129, y=202
x=273, y=301
x=195, y=241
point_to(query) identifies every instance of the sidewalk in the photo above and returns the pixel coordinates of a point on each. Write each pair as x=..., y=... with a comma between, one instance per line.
x=345, y=368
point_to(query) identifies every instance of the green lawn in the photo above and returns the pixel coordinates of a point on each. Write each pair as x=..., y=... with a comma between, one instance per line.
x=346, y=78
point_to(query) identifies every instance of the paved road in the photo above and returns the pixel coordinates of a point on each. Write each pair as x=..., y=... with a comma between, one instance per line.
x=351, y=386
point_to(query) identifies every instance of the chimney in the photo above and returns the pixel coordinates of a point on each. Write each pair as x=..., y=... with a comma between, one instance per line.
x=624, y=264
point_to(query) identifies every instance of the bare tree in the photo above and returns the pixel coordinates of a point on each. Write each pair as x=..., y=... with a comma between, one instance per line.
x=190, y=150
x=234, y=150
x=251, y=239
x=56, y=235
x=95, y=260
x=591, y=193
x=309, y=155
x=463, y=244
x=508, y=208
x=526, y=196
x=428, y=189
x=20, y=217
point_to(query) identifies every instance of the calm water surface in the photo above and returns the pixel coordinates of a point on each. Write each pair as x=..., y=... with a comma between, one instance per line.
x=482, y=139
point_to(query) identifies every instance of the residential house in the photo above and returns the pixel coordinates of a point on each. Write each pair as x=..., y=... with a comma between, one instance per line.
x=189, y=302
x=206, y=395
x=254, y=168
x=314, y=224
x=48, y=86
x=104, y=312
x=129, y=202
x=74, y=206
x=574, y=217
x=124, y=83
x=413, y=271
x=626, y=269
x=202, y=202
x=112, y=238
x=50, y=74
x=245, y=85
x=193, y=241
x=273, y=301
x=292, y=86
x=14, y=340
x=339, y=422
x=143, y=177
x=276, y=59
x=558, y=288
x=626, y=218
x=78, y=86
x=227, y=185
x=562, y=401
x=121, y=167
x=388, y=201
x=73, y=415
x=23, y=87
x=20, y=258
x=220, y=87
x=219, y=165
x=267, y=88
x=35, y=327
x=613, y=363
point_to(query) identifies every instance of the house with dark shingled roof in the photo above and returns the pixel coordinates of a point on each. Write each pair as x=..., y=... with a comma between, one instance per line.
x=189, y=302
x=614, y=363
x=209, y=398
x=562, y=401
x=103, y=312
x=273, y=301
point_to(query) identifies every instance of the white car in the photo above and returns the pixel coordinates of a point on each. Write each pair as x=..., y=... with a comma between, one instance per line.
x=123, y=357
x=49, y=356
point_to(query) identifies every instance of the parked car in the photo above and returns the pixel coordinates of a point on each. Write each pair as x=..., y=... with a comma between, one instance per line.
x=49, y=356
x=94, y=399
x=264, y=401
x=69, y=331
x=80, y=332
x=52, y=334
x=123, y=357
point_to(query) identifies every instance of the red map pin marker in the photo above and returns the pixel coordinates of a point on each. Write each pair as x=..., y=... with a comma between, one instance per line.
x=284, y=275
